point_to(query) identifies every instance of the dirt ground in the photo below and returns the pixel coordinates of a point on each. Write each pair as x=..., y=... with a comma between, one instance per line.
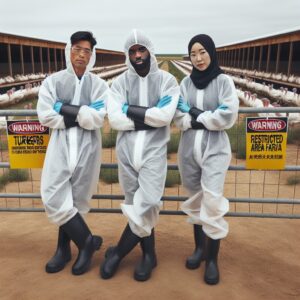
x=260, y=259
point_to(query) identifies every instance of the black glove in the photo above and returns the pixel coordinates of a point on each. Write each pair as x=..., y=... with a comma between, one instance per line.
x=195, y=112
x=137, y=114
x=70, y=112
x=197, y=125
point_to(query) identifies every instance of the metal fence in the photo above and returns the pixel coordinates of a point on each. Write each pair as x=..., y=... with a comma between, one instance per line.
x=252, y=193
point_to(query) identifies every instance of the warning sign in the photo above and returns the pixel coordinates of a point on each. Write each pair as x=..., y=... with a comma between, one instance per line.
x=266, y=143
x=27, y=143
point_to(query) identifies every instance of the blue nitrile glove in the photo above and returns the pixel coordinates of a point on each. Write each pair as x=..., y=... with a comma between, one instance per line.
x=223, y=107
x=97, y=105
x=183, y=106
x=57, y=106
x=163, y=101
x=125, y=108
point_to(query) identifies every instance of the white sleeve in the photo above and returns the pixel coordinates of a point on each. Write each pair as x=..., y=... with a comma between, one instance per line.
x=117, y=119
x=46, y=99
x=90, y=118
x=183, y=120
x=226, y=114
x=159, y=117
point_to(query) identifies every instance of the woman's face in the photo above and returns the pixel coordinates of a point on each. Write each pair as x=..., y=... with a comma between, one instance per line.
x=199, y=57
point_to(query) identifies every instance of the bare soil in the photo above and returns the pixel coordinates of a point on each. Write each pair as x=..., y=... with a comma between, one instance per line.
x=258, y=260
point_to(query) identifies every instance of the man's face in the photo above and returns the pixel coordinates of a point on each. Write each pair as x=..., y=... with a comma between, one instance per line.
x=138, y=56
x=80, y=55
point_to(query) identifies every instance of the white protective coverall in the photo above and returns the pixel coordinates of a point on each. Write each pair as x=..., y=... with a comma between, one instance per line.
x=72, y=164
x=204, y=155
x=142, y=155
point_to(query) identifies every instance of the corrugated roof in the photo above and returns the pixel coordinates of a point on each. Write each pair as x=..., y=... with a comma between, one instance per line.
x=286, y=31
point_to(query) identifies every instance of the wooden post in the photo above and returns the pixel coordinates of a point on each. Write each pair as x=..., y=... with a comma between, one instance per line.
x=238, y=57
x=9, y=60
x=32, y=58
x=290, y=58
x=260, y=57
x=243, y=58
x=254, y=48
x=62, y=58
x=41, y=59
x=228, y=58
x=55, y=60
x=248, y=56
x=278, y=57
x=268, y=58
x=235, y=55
x=48, y=55
x=22, y=59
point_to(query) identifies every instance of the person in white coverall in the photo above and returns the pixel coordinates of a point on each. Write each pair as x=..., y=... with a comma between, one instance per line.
x=208, y=105
x=142, y=105
x=72, y=103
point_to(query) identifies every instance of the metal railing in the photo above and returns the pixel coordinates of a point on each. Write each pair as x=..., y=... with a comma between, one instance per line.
x=291, y=206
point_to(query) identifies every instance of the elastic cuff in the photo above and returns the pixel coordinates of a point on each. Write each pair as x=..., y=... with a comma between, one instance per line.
x=70, y=122
x=137, y=113
x=195, y=112
x=197, y=125
x=142, y=126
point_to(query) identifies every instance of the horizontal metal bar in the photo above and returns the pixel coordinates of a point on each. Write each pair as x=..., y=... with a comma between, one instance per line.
x=243, y=110
x=266, y=215
x=21, y=209
x=165, y=212
x=241, y=200
x=164, y=198
x=175, y=167
x=248, y=110
x=17, y=112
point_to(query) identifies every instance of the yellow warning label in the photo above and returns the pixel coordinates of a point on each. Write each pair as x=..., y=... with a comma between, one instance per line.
x=266, y=143
x=27, y=143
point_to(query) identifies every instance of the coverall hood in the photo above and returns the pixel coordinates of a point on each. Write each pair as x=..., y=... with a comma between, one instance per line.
x=137, y=37
x=69, y=65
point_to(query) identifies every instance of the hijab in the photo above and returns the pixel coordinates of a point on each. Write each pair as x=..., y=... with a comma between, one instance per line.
x=201, y=79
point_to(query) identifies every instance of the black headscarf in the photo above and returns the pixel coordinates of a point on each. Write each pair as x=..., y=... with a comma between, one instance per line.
x=201, y=79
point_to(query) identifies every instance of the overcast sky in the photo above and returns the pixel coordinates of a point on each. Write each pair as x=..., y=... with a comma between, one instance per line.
x=169, y=23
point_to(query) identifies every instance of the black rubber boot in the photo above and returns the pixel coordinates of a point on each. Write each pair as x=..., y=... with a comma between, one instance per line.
x=144, y=268
x=62, y=255
x=193, y=261
x=114, y=255
x=86, y=243
x=211, y=275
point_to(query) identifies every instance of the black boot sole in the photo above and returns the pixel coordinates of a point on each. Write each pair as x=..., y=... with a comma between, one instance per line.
x=97, y=242
x=51, y=270
x=105, y=275
x=212, y=281
x=108, y=253
x=192, y=266
x=192, y=263
x=145, y=277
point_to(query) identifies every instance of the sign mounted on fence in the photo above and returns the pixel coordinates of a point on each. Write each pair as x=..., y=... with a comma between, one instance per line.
x=266, y=143
x=27, y=143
